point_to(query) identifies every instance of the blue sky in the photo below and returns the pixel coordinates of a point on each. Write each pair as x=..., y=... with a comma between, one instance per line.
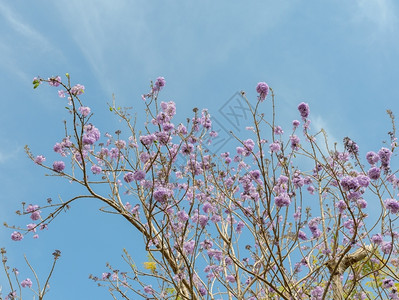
x=339, y=56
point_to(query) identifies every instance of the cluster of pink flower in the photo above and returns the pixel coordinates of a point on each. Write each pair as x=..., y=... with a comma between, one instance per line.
x=202, y=205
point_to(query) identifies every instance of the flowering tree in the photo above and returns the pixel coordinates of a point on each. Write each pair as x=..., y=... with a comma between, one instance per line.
x=284, y=217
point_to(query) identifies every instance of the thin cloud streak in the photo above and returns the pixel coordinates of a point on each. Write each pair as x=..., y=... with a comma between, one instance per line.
x=381, y=13
x=19, y=26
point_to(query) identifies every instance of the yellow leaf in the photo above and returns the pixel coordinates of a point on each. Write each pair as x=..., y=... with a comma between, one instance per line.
x=150, y=265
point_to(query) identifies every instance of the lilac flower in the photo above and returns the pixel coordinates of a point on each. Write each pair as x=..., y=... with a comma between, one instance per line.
x=182, y=215
x=169, y=108
x=297, y=180
x=392, y=205
x=161, y=119
x=282, y=200
x=206, y=119
x=361, y=203
x=186, y=149
x=317, y=293
x=159, y=84
x=128, y=177
x=31, y=227
x=377, y=238
x=84, y=110
x=255, y=174
x=230, y=278
x=240, y=226
x=217, y=254
x=342, y=156
x=275, y=147
x=313, y=226
x=91, y=134
x=189, y=247
x=206, y=244
x=161, y=194
x=147, y=139
x=372, y=158
x=58, y=166
x=58, y=148
x=168, y=126
x=386, y=247
x=77, y=90
x=144, y=157
x=295, y=123
x=302, y=235
x=136, y=210
x=249, y=145
x=387, y=283
x=351, y=146
x=385, y=156
x=54, y=81
x=278, y=130
x=106, y=275
x=114, y=153
x=39, y=159
x=297, y=214
x=311, y=189
x=26, y=283
x=96, y=169
x=120, y=144
x=16, y=236
x=148, y=289
x=32, y=208
x=139, y=175
x=307, y=180
x=61, y=94
x=374, y=173
x=348, y=224
x=349, y=183
x=263, y=89
x=341, y=205
x=207, y=207
x=352, y=196
x=35, y=215
x=303, y=110
x=203, y=220
x=363, y=180
x=182, y=129
x=202, y=291
x=11, y=296
x=294, y=142
x=393, y=295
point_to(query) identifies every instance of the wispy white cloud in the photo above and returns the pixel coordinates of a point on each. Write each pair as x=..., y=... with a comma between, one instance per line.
x=319, y=123
x=24, y=34
x=7, y=154
x=150, y=38
x=382, y=14
x=92, y=28
x=18, y=25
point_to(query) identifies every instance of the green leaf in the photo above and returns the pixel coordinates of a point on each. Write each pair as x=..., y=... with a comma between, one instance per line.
x=110, y=109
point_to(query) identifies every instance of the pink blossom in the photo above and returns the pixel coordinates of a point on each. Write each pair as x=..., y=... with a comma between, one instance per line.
x=84, y=110
x=77, y=90
x=39, y=159
x=263, y=89
x=26, y=283
x=16, y=236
